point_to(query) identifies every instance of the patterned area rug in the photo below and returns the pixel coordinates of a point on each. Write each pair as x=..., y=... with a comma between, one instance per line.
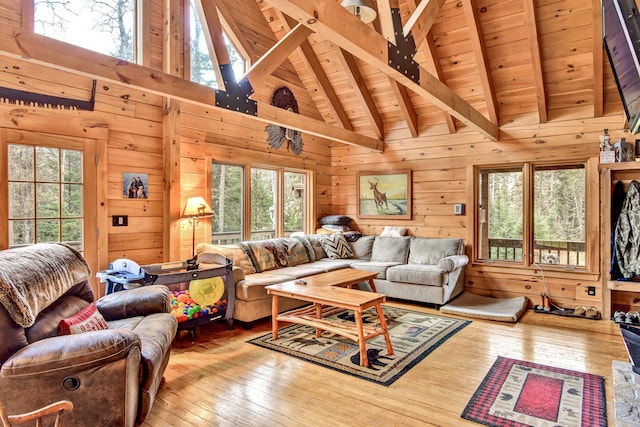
x=414, y=336
x=518, y=394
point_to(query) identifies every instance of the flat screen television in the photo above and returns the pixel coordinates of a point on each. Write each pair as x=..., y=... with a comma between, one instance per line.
x=621, y=38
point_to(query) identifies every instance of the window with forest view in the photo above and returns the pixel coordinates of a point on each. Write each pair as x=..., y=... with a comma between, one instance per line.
x=279, y=203
x=105, y=26
x=200, y=62
x=551, y=231
x=227, y=196
x=45, y=195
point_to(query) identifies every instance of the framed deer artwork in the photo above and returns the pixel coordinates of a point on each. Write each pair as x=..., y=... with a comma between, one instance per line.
x=384, y=195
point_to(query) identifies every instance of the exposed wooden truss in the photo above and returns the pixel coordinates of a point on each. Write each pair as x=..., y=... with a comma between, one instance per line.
x=41, y=49
x=332, y=22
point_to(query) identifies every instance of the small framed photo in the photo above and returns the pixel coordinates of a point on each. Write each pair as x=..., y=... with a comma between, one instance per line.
x=135, y=185
x=383, y=195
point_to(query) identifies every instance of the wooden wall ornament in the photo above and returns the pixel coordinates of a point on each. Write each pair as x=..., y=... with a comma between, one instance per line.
x=276, y=135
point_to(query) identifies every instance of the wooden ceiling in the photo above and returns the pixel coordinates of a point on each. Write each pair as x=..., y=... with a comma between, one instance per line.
x=482, y=64
x=479, y=65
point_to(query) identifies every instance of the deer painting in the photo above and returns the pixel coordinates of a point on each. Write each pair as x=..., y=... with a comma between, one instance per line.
x=378, y=197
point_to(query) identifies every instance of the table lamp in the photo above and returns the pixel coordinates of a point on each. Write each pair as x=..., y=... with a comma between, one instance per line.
x=195, y=209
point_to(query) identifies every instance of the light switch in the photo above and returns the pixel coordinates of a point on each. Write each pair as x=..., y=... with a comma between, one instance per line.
x=120, y=220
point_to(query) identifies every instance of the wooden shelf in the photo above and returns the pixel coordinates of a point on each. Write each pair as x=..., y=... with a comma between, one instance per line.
x=623, y=286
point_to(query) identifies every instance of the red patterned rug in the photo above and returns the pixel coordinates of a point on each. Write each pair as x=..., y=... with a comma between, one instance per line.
x=519, y=394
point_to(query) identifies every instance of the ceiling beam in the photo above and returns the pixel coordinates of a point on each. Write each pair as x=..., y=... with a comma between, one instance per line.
x=422, y=19
x=36, y=48
x=477, y=44
x=534, y=47
x=400, y=92
x=406, y=106
x=278, y=53
x=210, y=23
x=314, y=68
x=362, y=92
x=430, y=52
x=331, y=21
x=435, y=67
x=598, y=57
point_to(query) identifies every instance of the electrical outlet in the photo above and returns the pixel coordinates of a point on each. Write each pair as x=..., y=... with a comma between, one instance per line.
x=458, y=209
x=591, y=290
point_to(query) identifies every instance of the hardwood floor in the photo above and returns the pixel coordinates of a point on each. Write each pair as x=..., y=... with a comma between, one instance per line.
x=221, y=380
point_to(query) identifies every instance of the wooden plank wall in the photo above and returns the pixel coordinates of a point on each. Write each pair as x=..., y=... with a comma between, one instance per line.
x=441, y=177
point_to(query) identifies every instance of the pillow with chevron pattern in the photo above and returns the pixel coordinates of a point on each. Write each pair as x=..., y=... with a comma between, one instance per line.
x=336, y=246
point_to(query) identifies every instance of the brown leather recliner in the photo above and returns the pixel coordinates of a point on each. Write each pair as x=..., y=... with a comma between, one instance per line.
x=110, y=375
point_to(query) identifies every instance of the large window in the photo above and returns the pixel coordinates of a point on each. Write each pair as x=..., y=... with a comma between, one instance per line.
x=532, y=214
x=45, y=195
x=277, y=203
x=105, y=26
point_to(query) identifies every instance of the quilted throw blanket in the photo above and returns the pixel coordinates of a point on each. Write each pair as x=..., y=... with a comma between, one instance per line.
x=32, y=277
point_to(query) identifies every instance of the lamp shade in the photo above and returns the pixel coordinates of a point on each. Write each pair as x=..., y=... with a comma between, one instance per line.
x=363, y=9
x=196, y=207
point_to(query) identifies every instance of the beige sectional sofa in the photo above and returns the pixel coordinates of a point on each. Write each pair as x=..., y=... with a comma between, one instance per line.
x=429, y=270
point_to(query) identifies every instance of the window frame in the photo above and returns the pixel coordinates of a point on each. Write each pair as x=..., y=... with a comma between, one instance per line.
x=592, y=221
x=140, y=22
x=308, y=223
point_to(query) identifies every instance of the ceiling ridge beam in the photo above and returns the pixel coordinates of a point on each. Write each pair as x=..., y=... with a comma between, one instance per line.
x=336, y=24
x=28, y=46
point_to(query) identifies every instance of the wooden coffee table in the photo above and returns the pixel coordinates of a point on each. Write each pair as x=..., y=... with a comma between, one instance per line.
x=346, y=278
x=329, y=299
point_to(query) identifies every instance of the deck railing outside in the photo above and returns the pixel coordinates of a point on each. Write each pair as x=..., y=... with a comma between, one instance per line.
x=568, y=252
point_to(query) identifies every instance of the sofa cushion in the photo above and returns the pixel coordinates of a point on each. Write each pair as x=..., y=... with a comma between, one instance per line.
x=379, y=267
x=308, y=247
x=419, y=274
x=391, y=249
x=315, y=240
x=337, y=247
x=237, y=256
x=362, y=247
x=296, y=252
x=252, y=287
x=327, y=264
x=85, y=320
x=424, y=250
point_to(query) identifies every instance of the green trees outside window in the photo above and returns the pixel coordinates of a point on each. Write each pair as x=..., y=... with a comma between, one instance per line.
x=538, y=210
x=45, y=195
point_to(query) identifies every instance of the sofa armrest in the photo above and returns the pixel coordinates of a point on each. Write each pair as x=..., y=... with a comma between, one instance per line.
x=71, y=352
x=453, y=262
x=140, y=301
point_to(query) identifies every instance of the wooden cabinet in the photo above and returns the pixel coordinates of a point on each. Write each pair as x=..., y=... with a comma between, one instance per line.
x=616, y=295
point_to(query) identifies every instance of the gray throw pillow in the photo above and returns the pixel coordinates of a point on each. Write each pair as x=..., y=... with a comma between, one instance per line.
x=391, y=249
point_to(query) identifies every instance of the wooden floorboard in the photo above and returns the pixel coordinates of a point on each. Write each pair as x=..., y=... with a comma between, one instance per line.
x=221, y=380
